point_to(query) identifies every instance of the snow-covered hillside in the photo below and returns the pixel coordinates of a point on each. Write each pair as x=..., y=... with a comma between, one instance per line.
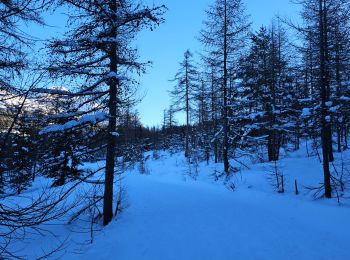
x=43, y=101
x=172, y=216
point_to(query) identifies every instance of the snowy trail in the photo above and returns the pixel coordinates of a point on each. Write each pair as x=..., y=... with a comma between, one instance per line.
x=193, y=220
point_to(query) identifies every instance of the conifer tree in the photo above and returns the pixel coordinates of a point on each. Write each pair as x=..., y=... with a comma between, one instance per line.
x=226, y=28
x=97, y=52
x=184, y=93
x=267, y=92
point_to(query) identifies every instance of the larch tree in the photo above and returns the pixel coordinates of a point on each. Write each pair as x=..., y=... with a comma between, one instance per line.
x=184, y=92
x=14, y=46
x=97, y=51
x=324, y=94
x=212, y=82
x=13, y=58
x=267, y=91
x=225, y=30
x=326, y=59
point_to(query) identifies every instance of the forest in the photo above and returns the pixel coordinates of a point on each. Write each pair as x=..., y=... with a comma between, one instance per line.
x=250, y=161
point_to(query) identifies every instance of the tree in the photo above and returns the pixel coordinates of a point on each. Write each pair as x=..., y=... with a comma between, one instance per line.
x=326, y=23
x=267, y=91
x=169, y=120
x=185, y=91
x=13, y=40
x=224, y=35
x=97, y=52
x=212, y=85
x=324, y=96
x=13, y=61
x=62, y=150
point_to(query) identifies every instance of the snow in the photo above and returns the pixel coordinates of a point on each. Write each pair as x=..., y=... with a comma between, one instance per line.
x=334, y=109
x=53, y=90
x=305, y=112
x=256, y=115
x=172, y=215
x=344, y=98
x=170, y=218
x=115, y=134
x=305, y=100
x=329, y=103
x=113, y=74
x=10, y=101
x=86, y=119
x=178, y=221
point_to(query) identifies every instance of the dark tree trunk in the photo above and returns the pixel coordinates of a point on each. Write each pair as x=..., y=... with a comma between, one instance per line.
x=297, y=140
x=112, y=127
x=325, y=125
x=330, y=144
x=187, y=148
x=326, y=75
x=216, y=151
x=273, y=146
x=110, y=158
x=338, y=93
x=214, y=117
x=225, y=107
x=346, y=131
x=339, y=138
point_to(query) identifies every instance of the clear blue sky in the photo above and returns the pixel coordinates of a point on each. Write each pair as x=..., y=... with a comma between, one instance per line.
x=165, y=46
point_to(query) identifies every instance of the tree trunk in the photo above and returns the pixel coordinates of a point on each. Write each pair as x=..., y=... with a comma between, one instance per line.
x=273, y=146
x=187, y=149
x=112, y=126
x=225, y=108
x=110, y=158
x=324, y=99
x=339, y=138
x=214, y=116
x=330, y=144
x=346, y=131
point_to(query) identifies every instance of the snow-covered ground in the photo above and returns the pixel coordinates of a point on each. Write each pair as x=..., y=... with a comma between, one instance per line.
x=172, y=216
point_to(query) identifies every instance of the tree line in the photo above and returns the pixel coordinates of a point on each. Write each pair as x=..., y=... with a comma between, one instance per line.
x=282, y=84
